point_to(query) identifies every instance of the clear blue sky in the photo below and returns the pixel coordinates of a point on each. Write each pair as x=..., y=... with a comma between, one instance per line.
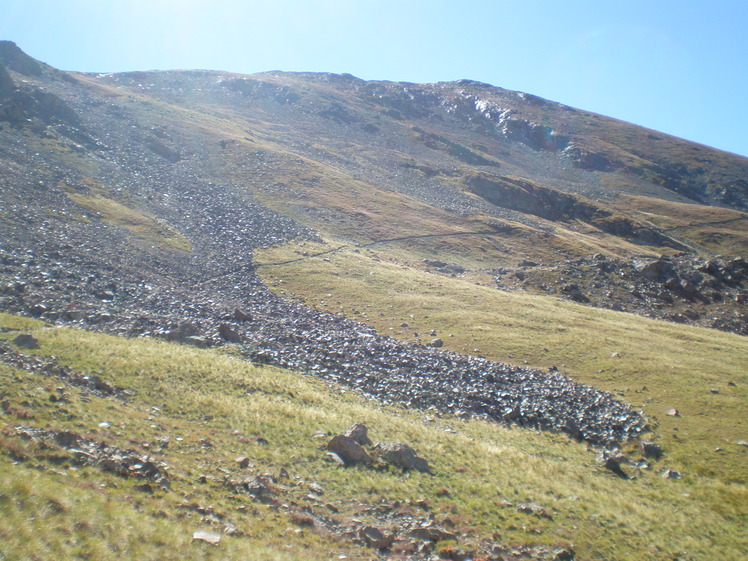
x=677, y=66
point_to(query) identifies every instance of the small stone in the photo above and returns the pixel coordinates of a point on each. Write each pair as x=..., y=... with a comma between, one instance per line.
x=612, y=460
x=535, y=510
x=650, y=449
x=208, y=537
x=673, y=412
x=242, y=462
x=431, y=534
x=670, y=474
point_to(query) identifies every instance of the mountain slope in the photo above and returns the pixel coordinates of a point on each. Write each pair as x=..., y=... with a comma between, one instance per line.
x=318, y=222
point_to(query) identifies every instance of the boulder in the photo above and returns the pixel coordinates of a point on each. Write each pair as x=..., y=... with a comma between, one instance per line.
x=359, y=433
x=240, y=315
x=613, y=460
x=650, y=450
x=348, y=450
x=183, y=332
x=656, y=270
x=374, y=537
x=26, y=341
x=228, y=333
x=403, y=456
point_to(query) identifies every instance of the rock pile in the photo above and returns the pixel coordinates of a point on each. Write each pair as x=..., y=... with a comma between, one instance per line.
x=86, y=451
x=285, y=333
x=348, y=449
x=684, y=289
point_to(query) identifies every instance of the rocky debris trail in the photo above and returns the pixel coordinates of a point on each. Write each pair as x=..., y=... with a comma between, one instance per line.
x=85, y=272
x=686, y=289
x=50, y=367
x=274, y=330
x=86, y=451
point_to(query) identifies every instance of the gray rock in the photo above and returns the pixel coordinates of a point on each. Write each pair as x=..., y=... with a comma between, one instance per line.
x=26, y=341
x=535, y=510
x=359, y=433
x=670, y=474
x=228, y=333
x=199, y=342
x=656, y=270
x=403, y=456
x=211, y=538
x=183, y=332
x=431, y=534
x=374, y=537
x=613, y=461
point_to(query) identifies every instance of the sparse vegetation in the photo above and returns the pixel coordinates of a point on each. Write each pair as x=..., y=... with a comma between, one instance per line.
x=144, y=226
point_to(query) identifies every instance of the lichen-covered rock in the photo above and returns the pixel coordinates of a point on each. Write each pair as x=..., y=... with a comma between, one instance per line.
x=403, y=456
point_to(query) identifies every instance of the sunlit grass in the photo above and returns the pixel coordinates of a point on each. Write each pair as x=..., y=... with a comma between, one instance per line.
x=139, y=223
x=654, y=365
x=486, y=469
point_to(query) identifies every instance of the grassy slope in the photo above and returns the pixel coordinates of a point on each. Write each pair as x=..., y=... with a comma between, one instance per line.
x=678, y=365
x=53, y=510
x=719, y=230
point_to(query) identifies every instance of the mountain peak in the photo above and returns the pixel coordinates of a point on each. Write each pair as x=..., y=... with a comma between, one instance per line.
x=11, y=56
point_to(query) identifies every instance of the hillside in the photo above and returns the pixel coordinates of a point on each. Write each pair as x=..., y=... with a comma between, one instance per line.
x=554, y=286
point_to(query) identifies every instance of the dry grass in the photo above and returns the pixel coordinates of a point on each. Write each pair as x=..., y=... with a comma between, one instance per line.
x=62, y=512
x=654, y=365
x=138, y=222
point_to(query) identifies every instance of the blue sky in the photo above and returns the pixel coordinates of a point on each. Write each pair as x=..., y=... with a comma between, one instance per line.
x=677, y=66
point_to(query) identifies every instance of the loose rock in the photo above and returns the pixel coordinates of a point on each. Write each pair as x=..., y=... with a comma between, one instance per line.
x=26, y=341
x=403, y=456
x=348, y=450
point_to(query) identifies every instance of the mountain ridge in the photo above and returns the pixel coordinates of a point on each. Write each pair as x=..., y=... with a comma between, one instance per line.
x=437, y=248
